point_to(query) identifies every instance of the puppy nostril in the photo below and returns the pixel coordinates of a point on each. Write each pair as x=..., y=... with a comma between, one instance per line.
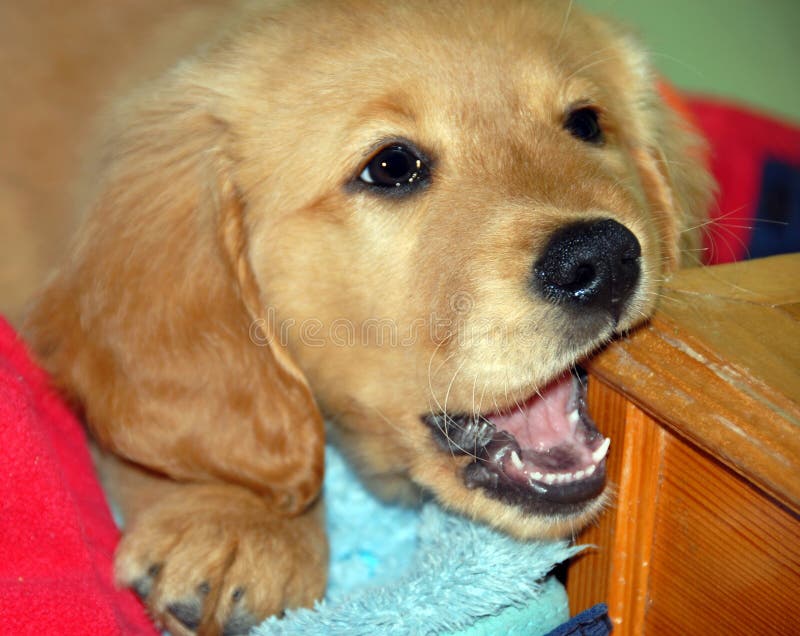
x=582, y=278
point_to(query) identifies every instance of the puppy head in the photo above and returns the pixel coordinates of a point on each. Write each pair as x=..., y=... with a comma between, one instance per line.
x=449, y=209
x=439, y=210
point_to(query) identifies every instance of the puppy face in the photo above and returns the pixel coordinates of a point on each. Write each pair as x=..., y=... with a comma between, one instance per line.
x=449, y=208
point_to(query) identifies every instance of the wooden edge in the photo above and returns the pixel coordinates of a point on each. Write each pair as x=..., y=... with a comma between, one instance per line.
x=643, y=448
x=617, y=570
x=590, y=571
x=676, y=385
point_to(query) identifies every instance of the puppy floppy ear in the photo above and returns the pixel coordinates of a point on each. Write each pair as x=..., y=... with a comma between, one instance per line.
x=147, y=326
x=671, y=158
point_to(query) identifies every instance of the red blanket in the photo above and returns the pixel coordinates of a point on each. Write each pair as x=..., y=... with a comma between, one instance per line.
x=57, y=537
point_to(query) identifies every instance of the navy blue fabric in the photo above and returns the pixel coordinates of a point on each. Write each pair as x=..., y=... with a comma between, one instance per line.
x=776, y=229
x=592, y=622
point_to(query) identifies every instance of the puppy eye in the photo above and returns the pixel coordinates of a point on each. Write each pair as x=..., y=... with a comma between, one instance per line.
x=395, y=167
x=582, y=123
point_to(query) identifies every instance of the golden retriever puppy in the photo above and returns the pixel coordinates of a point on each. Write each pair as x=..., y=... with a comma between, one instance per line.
x=410, y=218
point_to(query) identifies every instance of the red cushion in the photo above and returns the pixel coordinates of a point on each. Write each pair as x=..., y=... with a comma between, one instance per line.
x=57, y=537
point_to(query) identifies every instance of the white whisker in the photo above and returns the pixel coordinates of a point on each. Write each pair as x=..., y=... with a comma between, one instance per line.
x=564, y=24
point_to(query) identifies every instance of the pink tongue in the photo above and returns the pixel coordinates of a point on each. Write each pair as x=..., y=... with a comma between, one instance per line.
x=542, y=422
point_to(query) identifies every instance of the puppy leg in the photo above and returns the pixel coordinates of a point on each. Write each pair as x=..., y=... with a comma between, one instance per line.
x=212, y=558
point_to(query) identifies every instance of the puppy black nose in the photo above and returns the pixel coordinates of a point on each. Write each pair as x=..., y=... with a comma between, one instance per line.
x=592, y=265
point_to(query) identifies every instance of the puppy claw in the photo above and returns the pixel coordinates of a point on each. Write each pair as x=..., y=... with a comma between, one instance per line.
x=240, y=623
x=237, y=594
x=142, y=587
x=187, y=613
x=144, y=584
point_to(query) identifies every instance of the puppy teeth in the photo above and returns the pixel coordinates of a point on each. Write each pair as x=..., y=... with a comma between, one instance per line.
x=574, y=417
x=561, y=478
x=518, y=464
x=601, y=452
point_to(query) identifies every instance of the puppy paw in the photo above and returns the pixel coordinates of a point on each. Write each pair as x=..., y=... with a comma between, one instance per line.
x=213, y=559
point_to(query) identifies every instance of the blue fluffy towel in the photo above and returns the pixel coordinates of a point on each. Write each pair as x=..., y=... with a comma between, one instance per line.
x=397, y=571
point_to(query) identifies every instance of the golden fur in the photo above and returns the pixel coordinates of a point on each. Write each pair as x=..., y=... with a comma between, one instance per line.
x=222, y=222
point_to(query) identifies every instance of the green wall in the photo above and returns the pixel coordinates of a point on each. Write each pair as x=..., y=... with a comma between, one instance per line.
x=748, y=50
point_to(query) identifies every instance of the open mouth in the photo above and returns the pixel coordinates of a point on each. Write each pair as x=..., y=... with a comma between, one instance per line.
x=544, y=454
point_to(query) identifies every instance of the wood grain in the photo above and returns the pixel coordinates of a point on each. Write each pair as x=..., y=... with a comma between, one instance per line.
x=726, y=559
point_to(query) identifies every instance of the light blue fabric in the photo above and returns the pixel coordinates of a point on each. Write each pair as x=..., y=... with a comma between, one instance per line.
x=405, y=571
